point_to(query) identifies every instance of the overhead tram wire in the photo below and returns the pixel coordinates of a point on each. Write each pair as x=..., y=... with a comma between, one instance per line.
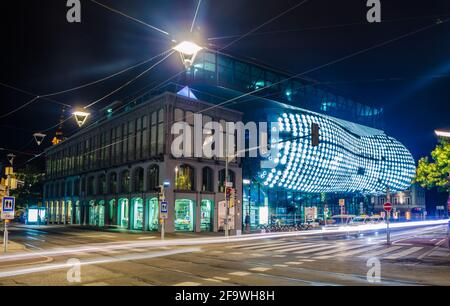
x=29, y=93
x=132, y=80
x=46, y=96
x=130, y=17
x=265, y=23
x=195, y=15
x=422, y=29
x=325, y=27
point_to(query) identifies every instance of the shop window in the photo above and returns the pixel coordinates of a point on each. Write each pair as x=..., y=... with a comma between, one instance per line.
x=206, y=212
x=112, y=217
x=153, y=214
x=184, y=178
x=184, y=215
x=113, y=183
x=207, y=179
x=125, y=182
x=123, y=218
x=153, y=177
x=102, y=184
x=138, y=181
x=138, y=214
x=231, y=179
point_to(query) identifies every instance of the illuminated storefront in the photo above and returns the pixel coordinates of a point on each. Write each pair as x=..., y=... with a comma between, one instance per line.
x=207, y=215
x=138, y=214
x=153, y=214
x=184, y=215
x=123, y=213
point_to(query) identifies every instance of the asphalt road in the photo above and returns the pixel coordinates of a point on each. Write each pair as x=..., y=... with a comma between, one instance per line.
x=417, y=256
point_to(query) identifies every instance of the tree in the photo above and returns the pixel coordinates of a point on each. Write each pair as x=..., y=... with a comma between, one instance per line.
x=30, y=192
x=435, y=174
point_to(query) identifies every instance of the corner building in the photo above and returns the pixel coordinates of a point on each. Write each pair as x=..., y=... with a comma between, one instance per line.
x=106, y=174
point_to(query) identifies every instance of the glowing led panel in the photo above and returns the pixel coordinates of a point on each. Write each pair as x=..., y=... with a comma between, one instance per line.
x=350, y=157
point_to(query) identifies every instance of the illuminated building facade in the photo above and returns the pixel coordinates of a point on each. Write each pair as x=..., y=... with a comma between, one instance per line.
x=354, y=161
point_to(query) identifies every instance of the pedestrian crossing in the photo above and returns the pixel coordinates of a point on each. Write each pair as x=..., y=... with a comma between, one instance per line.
x=328, y=251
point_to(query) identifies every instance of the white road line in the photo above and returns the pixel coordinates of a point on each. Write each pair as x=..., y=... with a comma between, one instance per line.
x=146, y=238
x=277, y=247
x=187, y=284
x=270, y=245
x=295, y=263
x=221, y=278
x=239, y=273
x=251, y=244
x=381, y=252
x=404, y=253
x=260, y=269
x=339, y=250
x=280, y=266
x=315, y=249
x=350, y=253
x=299, y=248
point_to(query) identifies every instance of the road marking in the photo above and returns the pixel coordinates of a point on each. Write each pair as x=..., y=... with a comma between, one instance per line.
x=339, y=249
x=299, y=248
x=381, y=252
x=281, y=266
x=315, y=249
x=146, y=238
x=251, y=244
x=293, y=263
x=257, y=255
x=309, y=260
x=212, y=280
x=350, y=253
x=260, y=269
x=440, y=242
x=272, y=248
x=217, y=252
x=235, y=253
x=239, y=273
x=99, y=236
x=404, y=253
x=261, y=247
x=428, y=253
x=221, y=278
x=279, y=256
x=187, y=284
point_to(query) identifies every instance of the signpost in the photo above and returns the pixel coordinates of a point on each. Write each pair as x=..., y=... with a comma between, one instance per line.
x=8, y=207
x=388, y=207
x=163, y=214
x=342, y=205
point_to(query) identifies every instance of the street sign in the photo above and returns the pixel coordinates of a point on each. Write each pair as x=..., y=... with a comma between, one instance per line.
x=164, y=209
x=8, y=206
x=387, y=206
x=341, y=202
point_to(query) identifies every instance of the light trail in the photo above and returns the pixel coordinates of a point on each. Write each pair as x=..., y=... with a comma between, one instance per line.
x=96, y=261
x=100, y=247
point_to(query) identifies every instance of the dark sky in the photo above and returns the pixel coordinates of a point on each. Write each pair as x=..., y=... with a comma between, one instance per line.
x=410, y=78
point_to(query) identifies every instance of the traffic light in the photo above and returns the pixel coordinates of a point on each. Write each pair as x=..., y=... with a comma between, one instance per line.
x=315, y=134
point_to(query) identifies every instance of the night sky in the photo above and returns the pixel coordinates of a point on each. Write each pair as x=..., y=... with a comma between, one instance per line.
x=410, y=78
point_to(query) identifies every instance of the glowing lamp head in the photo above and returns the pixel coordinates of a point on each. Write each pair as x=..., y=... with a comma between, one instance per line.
x=188, y=52
x=441, y=133
x=81, y=117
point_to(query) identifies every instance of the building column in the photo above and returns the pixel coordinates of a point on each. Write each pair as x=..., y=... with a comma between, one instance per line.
x=145, y=212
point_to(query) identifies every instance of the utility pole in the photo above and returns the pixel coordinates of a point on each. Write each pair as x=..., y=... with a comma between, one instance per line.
x=227, y=207
x=7, y=188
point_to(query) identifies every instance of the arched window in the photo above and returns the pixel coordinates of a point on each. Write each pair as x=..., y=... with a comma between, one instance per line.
x=184, y=178
x=138, y=180
x=113, y=183
x=153, y=177
x=91, y=187
x=231, y=179
x=69, y=188
x=102, y=184
x=125, y=182
x=76, y=188
x=207, y=179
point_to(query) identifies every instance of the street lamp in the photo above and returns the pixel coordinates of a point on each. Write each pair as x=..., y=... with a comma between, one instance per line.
x=39, y=138
x=188, y=51
x=81, y=117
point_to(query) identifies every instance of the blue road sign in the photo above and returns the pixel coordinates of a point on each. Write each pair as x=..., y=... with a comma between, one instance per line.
x=8, y=206
x=164, y=207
